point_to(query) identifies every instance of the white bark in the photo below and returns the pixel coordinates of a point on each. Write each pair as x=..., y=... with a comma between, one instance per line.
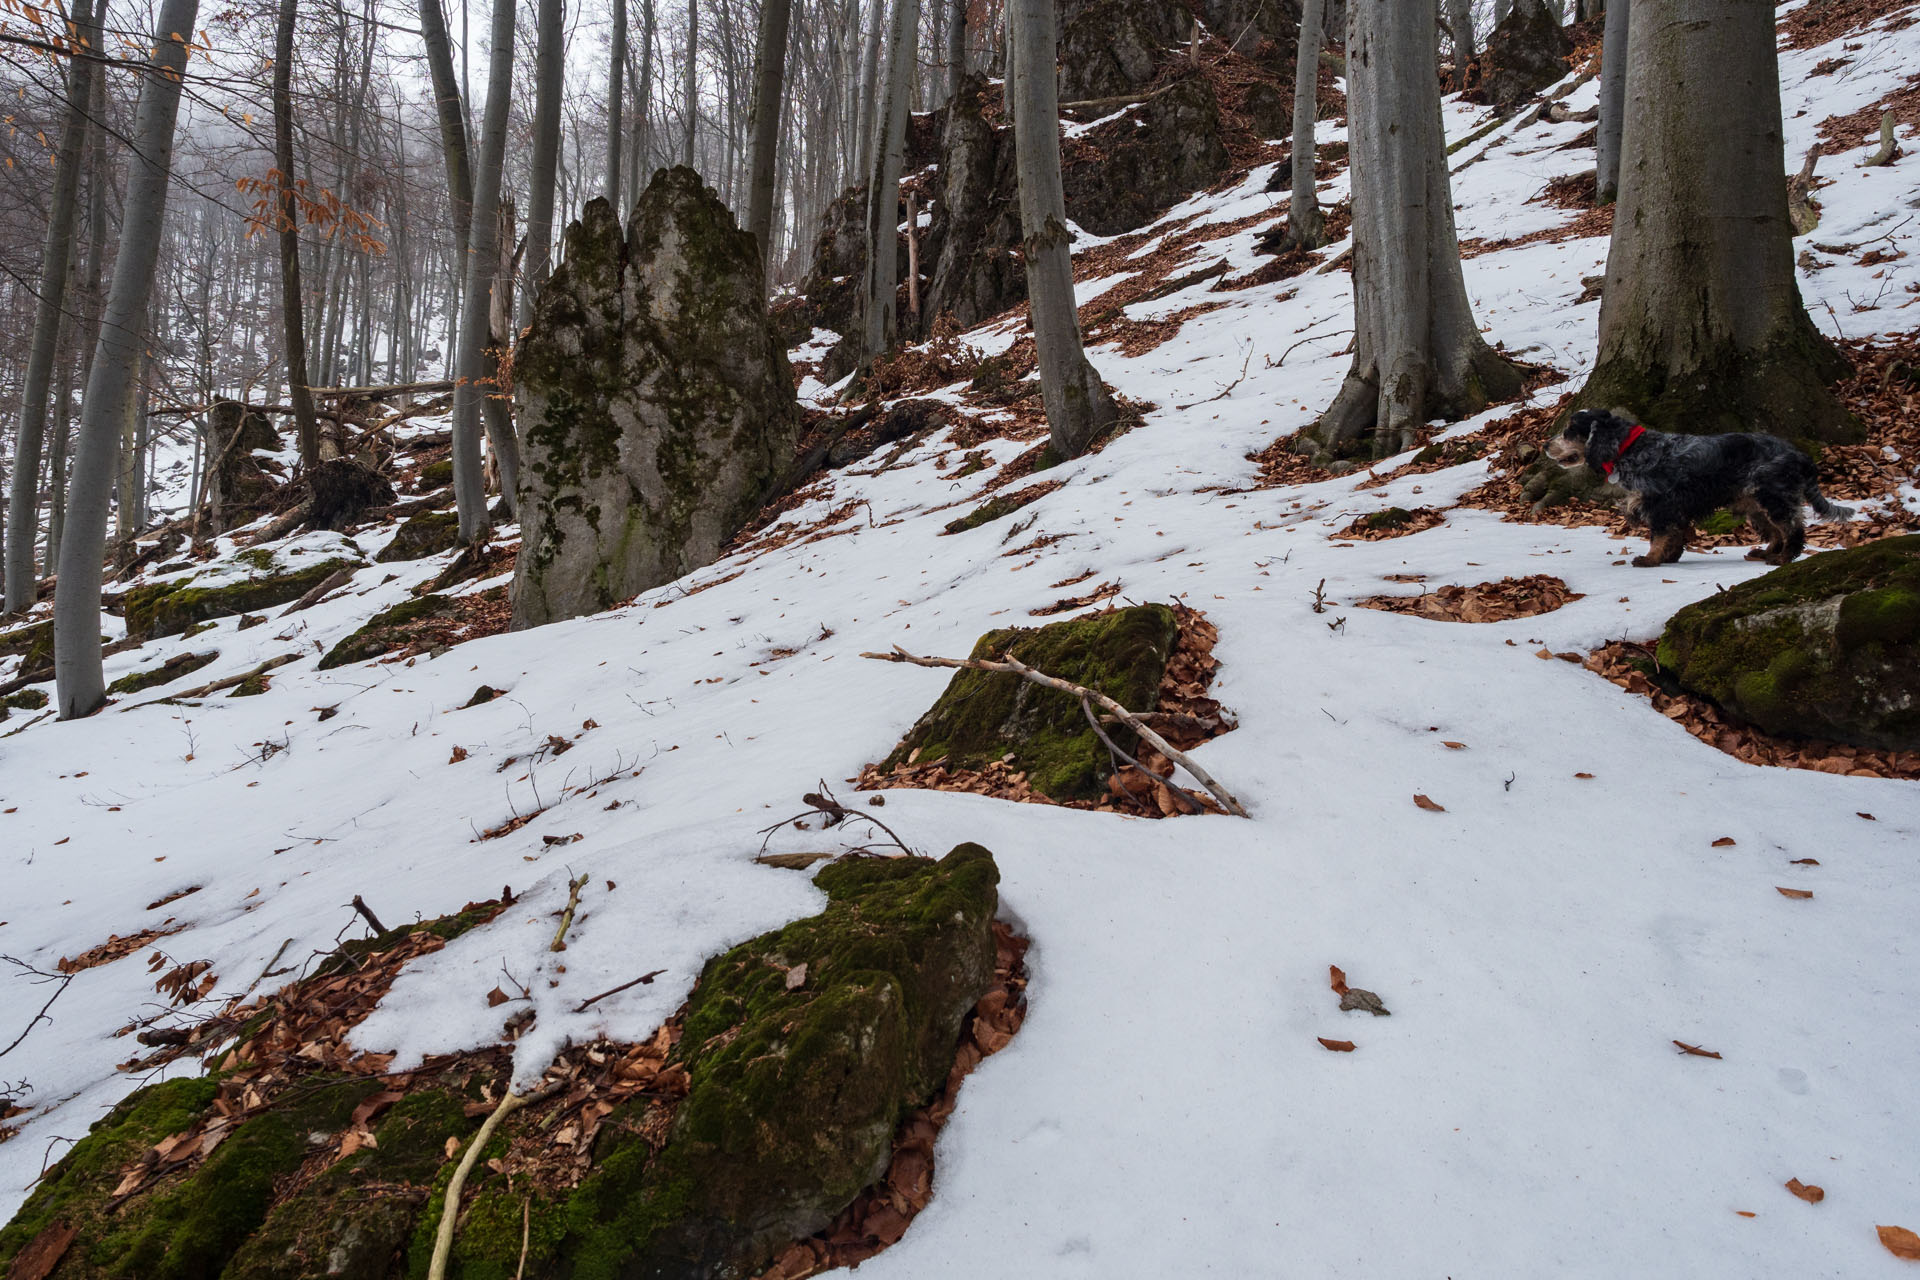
x=1303, y=209
x=76, y=643
x=1613, y=101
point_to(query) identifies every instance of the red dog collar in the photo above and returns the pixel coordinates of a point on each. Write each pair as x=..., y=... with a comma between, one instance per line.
x=1606, y=468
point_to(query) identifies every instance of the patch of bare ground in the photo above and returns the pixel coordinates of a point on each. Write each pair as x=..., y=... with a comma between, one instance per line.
x=1858, y=128
x=1183, y=714
x=1636, y=669
x=1394, y=522
x=1501, y=601
x=1827, y=20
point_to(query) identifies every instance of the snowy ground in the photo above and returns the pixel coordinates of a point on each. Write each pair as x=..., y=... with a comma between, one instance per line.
x=1167, y=1109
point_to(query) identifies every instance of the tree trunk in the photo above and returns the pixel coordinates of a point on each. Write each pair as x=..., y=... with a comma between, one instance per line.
x=549, y=71
x=23, y=510
x=1079, y=409
x=883, y=193
x=870, y=87
x=496, y=406
x=956, y=49
x=1613, y=102
x=1417, y=352
x=76, y=642
x=616, y=100
x=770, y=67
x=450, y=110
x=692, y=87
x=1460, y=20
x=307, y=428
x=1303, y=209
x=472, y=368
x=1701, y=324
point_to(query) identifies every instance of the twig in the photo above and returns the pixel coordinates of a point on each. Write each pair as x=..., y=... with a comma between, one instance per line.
x=65, y=980
x=1275, y=364
x=1187, y=802
x=1889, y=146
x=268, y=972
x=450, y=1206
x=1128, y=718
x=1320, y=597
x=566, y=921
x=228, y=683
x=1228, y=389
x=332, y=582
x=526, y=1236
x=823, y=801
x=360, y=905
x=590, y=1001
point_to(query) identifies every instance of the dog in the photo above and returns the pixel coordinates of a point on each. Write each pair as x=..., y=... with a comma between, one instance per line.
x=1673, y=480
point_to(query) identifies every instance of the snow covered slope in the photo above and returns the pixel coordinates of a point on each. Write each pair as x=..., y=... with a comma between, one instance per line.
x=1168, y=1109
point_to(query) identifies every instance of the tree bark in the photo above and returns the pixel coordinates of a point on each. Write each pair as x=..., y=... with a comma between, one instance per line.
x=450, y=111
x=616, y=100
x=692, y=86
x=76, y=625
x=1701, y=324
x=770, y=66
x=23, y=509
x=1304, y=222
x=883, y=192
x=1079, y=410
x=549, y=71
x=1417, y=352
x=293, y=319
x=1460, y=21
x=870, y=87
x=1613, y=102
x=473, y=368
x=956, y=49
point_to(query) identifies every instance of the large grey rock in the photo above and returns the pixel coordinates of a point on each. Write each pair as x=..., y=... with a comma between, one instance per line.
x=979, y=272
x=656, y=404
x=1527, y=52
x=1129, y=170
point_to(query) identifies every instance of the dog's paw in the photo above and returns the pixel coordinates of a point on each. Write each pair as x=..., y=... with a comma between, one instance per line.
x=1758, y=553
x=1645, y=562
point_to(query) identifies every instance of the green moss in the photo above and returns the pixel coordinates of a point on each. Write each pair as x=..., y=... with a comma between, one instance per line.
x=26, y=700
x=994, y=508
x=1721, y=521
x=386, y=631
x=987, y=716
x=165, y=608
x=422, y=536
x=1828, y=647
x=33, y=645
x=1391, y=518
x=183, y=664
x=259, y=559
x=437, y=475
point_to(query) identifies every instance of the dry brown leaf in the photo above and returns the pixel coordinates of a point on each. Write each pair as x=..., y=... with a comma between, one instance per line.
x=1695, y=1050
x=496, y=998
x=44, y=1251
x=1723, y=842
x=1337, y=978
x=1900, y=1242
x=1869, y=817
x=1429, y=805
x=1338, y=1046
x=1793, y=893
x=1805, y=862
x=1746, y=1213
x=1454, y=746
x=459, y=754
x=1812, y=1195
x=1583, y=775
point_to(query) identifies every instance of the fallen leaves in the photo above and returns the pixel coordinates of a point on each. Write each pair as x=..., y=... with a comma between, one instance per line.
x=1694, y=1050
x=1336, y=1046
x=1500, y=601
x=1724, y=842
x=44, y=1251
x=1900, y=1242
x=1337, y=979
x=1430, y=805
x=1812, y=1195
x=1793, y=893
x=117, y=947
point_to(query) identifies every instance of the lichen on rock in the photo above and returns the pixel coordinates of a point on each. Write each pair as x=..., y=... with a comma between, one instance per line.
x=657, y=406
x=987, y=716
x=1825, y=648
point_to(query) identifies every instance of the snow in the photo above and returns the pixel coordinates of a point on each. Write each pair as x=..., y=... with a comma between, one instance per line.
x=1166, y=1109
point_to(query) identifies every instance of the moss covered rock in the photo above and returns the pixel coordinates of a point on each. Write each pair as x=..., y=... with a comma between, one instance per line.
x=386, y=631
x=1825, y=648
x=986, y=716
x=656, y=403
x=168, y=608
x=181, y=664
x=32, y=645
x=423, y=536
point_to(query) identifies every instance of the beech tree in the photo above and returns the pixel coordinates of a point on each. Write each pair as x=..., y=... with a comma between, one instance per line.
x=292, y=307
x=1417, y=353
x=770, y=65
x=1079, y=409
x=23, y=509
x=1701, y=324
x=616, y=64
x=1613, y=102
x=81, y=686
x=549, y=73
x=1303, y=208
x=883, y=190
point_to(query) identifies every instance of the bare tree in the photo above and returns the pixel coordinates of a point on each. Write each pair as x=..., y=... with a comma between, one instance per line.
x=56, y=256
x=692, y=87
x=1460, y=26
x=1079, y=410
x=1613, y=101
x=1303, y=208
x=770, y=66
x=883, y=191
x=293, y=320
x=1417, y=353
x=549, y=73
x=616, y=100
x=76, y=619
x=1701, y=323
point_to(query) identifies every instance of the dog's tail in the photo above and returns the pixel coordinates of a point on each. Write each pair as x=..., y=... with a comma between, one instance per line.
x=1825, y=509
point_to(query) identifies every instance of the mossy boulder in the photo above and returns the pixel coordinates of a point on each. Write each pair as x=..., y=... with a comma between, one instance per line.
x=169, y=608
x=987, y=716
x=1526, y=53
x=386, y=631
x=181, y=664
x=1129, y=170
x=422, y=536
x=1826, y=648
x=436, y=475
x=33, y=645
x=656, y=403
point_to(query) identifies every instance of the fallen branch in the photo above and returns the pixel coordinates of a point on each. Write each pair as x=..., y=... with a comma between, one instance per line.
x=331, y=583
x=366, y=913
x=218, y=685
x=450, y=1206
x=590, y=1001
x=823, y=802
x=1016, y=667
x=285, y=524
x=1187, y=802
x=26, y=970
x=566, y=921
x=1889, y=147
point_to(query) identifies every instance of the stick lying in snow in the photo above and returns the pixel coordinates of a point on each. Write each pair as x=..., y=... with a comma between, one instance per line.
x=1016, y=667
x=450, y=1207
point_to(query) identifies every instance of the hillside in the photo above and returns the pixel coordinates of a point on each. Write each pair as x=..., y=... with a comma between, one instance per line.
x=1590, y=883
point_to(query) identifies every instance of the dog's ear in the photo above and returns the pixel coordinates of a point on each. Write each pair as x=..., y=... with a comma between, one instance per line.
x=1581, y=425
x=1625, y=417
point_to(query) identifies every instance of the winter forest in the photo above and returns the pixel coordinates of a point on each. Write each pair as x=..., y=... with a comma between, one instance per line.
x=737, y=639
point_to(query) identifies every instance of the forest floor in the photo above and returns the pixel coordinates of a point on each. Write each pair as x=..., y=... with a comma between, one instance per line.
x=1549, y=880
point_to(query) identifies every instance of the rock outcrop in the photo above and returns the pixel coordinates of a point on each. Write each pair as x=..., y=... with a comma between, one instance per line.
x=1826, y=648
x=979, y=272
x=1124, y=173
x=234, y=432
x=656, y=404
x=1527, y=52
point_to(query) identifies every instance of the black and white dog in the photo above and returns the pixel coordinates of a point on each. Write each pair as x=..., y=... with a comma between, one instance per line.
x=1673, y=480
